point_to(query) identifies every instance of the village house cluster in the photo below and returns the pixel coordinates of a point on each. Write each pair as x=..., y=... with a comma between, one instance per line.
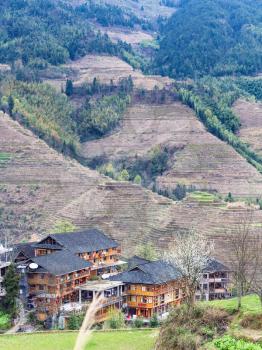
x=62, y=273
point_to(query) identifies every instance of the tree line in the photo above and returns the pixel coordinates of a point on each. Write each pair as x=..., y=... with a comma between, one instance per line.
x=211, y=37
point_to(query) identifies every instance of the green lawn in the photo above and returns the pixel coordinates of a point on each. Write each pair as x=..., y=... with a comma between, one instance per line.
x=250, y=304
x=4, y=158
x=203, y=197
x=119, y=340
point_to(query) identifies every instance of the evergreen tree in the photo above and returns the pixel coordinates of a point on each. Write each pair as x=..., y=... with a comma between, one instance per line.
x=69, y=87
x=11, y=104
x=11, y=286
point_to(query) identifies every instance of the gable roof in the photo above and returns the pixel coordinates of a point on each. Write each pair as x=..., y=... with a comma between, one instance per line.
x=215, y=266
x=135, y=261
x=26, y=248
x=155, y=272
x=84, y=241
x=61, y=262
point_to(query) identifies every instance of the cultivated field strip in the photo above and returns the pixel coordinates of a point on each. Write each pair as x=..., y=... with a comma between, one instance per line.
x=39, y=186
x=199, y=159
x=106, y=69
x=250, y=114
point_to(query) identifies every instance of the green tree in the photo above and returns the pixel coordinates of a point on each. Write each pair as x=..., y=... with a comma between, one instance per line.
x=147, y=251
x=138, y=180
x=11, y=104
x=180, y=192
x=11, y=286
x=229, y=198
x=69, y=87
x=63, y=226
x=124, y=175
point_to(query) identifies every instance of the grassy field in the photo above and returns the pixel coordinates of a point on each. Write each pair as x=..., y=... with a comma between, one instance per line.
x=204, y=197
x=119, y=340
x=250, y=304
x=4, y=158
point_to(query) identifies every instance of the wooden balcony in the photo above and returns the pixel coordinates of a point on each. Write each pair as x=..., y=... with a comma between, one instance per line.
x=140, y=305
x=141, y=292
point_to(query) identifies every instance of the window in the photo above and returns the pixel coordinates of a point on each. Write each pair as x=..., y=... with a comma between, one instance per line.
x=132, y=287
x=133, y=299
x=143, y=289
x=42, y=276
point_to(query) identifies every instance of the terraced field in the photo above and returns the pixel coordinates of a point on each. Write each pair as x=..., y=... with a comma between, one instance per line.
x=106, y=68
x=39, y=186
x=132, y=37
x=199, y=158
x=250, y=114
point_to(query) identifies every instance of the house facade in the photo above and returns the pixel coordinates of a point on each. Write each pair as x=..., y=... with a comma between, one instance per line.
x=113, y=296
x=151, y=288
x=215, y=282
x=4, y=263
x=59, y=264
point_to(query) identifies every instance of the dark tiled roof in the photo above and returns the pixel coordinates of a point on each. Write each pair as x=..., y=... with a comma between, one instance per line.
x=215, y=266
x=47, y=246
x=61, y=262
x=155, y=272
x=135, y=261
x=26, y=248
x=85, y=241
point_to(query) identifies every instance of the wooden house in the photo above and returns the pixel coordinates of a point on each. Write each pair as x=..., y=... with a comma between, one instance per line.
x=215, y=282
x=59, y=264
x=151, y=288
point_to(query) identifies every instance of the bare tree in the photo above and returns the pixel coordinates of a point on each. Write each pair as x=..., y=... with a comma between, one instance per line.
x=245, y=247
x=257, y=287
x=256, y=283
x=190, y=253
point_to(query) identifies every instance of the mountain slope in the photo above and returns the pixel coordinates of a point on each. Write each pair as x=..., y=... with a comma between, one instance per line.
x=212, y=37
x=250, y=114
x=195, y=156
x=39, y=186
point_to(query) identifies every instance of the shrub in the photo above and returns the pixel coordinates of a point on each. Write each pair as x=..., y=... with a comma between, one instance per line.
x=5, y=321
x=154, y=321
x=138, y=323
x=116, y=320
x=75, y=321
x=252, y=321
x=229, y=343
x=190, y=327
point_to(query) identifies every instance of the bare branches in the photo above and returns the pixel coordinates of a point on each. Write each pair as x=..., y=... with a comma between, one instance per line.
x=245, y=248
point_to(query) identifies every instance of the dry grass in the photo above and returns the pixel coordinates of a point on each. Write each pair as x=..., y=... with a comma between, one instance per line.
x=89, y=320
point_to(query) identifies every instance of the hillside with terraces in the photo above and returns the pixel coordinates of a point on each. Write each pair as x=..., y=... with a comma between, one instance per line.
x=196, y=157
x=40, y=186
x=105, y=69
x=250, y=114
